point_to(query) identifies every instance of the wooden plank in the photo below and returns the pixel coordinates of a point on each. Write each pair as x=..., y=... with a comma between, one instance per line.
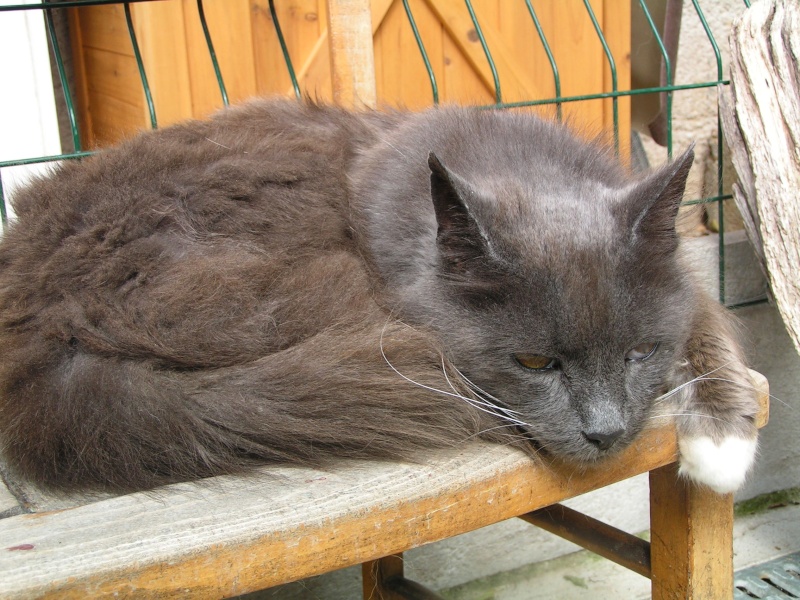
x=352, y=58
x=113, y=75
x=400, y=73
x=162, y=42
x=517, y=28
x=231, y=34
x=302, y=22
x=114, y=120
x=461, y=83
x=104, y=28
x=81, y=89
x=287, y=524
x=458, y=24
x=691, y=530
x=580, y=59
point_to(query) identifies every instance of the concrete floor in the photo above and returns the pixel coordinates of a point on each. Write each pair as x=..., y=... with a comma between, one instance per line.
x=758, y=538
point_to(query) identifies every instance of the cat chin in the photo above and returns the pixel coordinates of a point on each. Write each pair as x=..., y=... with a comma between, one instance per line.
x=723, y=467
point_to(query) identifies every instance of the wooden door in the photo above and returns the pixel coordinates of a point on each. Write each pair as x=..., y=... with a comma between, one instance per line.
x=183, y=82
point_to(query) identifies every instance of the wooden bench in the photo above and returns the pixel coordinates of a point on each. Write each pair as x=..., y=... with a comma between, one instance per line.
x=230, y=535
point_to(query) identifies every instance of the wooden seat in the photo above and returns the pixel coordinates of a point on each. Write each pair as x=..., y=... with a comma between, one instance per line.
x=232, y=535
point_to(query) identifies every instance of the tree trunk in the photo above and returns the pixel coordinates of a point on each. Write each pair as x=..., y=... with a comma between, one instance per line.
x=761, y=120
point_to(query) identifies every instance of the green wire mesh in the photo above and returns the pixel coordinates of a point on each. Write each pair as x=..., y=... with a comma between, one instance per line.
x=668, y=89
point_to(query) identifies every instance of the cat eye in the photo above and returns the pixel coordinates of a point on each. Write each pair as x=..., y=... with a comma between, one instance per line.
x=641, y=352
x=536, y=362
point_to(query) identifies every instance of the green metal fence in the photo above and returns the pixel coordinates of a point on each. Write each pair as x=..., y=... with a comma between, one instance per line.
x=669, y=89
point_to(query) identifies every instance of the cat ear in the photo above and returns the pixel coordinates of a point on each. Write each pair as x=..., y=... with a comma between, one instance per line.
x=653, y=204
x=459, y=236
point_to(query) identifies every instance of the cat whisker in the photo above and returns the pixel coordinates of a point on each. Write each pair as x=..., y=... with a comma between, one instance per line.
x=482, y=406
x=687, y=383
x=218, y=144
x=447, y=379
x=509, y=435
x=479, y=403
x=744, y=386
x=705, y=377
x=486, y=395
x=687, y=414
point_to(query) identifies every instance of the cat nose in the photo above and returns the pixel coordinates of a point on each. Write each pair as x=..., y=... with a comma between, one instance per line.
x=603, y=440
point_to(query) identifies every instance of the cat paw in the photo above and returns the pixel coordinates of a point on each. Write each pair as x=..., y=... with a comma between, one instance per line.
x=723, y=467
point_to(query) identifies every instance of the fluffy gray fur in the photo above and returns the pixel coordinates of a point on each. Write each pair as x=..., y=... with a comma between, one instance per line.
x=288, y=283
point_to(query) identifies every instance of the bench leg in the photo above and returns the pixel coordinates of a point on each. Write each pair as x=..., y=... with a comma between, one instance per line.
x=383, y=579
x=691, y=546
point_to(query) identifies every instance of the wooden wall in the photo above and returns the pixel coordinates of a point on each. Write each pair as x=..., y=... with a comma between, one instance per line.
x=183, y=84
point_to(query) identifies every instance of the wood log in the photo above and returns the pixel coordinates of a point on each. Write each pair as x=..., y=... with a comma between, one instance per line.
x=761, y=120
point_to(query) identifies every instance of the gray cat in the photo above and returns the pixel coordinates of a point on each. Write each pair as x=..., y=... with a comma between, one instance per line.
x=289, y=283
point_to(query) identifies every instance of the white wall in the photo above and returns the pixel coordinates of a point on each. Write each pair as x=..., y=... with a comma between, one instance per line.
x=28, y=125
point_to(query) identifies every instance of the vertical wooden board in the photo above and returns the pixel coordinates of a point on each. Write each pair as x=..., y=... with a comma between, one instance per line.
x=302, y=23
x=317, y=79
x=691, y=531
x=104, y=27
x=432, y=34
x=460, y=82
x=112, y=78
x=270, y=70
x=113, y=119
x=81, y=90
x=314, y=72
x=303, y=28
x=517, y=26
x=400, y=73
x=617, y=28
x=114, y=75
x=162, y=42
x=513, y=76
x=457, y=78
x=580, y=57
x=106, y=71
x=489, y=15
x=231, y=35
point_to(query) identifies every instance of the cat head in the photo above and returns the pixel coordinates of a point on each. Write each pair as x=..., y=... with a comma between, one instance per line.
x=564, y=300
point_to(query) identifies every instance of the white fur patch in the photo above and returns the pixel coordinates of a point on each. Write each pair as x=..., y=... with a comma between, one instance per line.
x=722, y=467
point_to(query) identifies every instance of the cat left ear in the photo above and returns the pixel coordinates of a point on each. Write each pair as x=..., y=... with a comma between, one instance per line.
x=459, y=236
x=653, y=204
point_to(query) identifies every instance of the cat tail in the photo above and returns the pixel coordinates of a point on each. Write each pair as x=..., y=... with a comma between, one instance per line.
x=78, y=421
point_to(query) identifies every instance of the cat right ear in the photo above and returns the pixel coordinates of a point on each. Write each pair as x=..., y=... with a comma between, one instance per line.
x=652, y=206
x=459, y=237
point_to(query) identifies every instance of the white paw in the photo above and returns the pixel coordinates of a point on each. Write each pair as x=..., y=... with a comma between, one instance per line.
x=722, y=467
